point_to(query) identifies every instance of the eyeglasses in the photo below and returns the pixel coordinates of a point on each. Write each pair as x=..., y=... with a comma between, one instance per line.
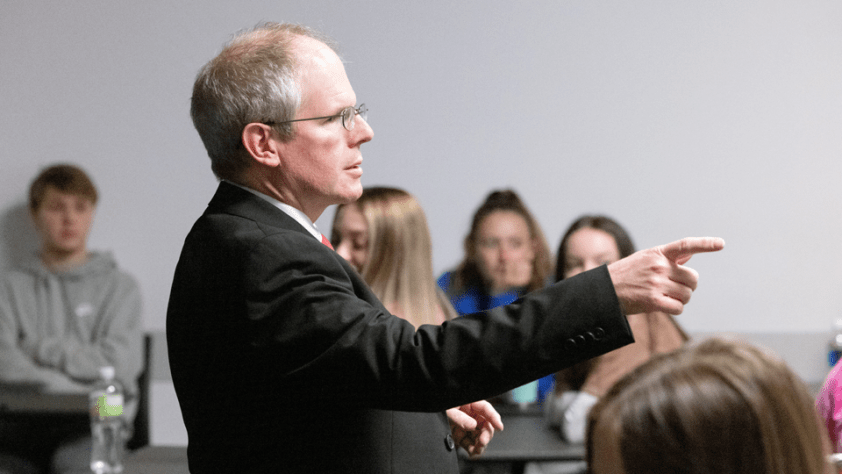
x=348, y=115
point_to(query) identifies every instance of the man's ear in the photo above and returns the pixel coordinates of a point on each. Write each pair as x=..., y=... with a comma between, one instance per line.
x=258, y=140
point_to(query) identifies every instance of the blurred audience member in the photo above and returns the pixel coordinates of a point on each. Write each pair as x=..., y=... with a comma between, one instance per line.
x=62, y=317
x=384, y=235
x=716, y=406
x=589, y=242
x=506, y=256
x=829, y=406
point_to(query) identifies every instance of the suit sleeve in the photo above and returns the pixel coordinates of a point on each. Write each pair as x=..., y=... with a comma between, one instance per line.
x=314, y=324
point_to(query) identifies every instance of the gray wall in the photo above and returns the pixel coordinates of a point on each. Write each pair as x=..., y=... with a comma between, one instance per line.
x=678, y=118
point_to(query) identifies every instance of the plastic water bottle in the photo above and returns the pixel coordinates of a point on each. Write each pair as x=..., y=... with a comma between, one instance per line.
x=107, y=428
x=834, y=349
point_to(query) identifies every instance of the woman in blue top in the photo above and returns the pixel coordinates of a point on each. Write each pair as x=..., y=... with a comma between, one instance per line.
x=506, y=256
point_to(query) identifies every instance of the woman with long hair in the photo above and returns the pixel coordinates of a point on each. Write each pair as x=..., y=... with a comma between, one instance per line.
x=384, y=235
x=589, y=242
x=506, y=255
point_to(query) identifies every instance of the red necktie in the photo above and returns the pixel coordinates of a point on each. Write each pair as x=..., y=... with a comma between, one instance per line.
x=326, y=242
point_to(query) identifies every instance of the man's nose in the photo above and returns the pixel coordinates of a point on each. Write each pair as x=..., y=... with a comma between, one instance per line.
x=362, y=131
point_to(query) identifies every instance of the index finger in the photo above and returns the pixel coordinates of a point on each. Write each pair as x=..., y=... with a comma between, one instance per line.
x=681, y=250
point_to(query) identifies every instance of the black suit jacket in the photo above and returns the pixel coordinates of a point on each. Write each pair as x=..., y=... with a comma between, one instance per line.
x=284, y=361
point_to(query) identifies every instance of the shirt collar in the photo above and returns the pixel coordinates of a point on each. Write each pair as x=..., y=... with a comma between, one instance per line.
x=296, y=214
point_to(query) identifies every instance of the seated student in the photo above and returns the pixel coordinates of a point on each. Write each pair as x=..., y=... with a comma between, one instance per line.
x=589, y=242
x=62, y=317
x=829, y=406
x=384, y=235
x=716, y=406
x=506, y=256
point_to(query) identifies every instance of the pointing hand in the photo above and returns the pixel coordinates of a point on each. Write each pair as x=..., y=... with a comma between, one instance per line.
x=656, y=279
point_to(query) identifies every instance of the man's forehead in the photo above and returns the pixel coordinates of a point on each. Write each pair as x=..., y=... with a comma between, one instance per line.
x=311, y=52
x=53, y=193
x=322, y=72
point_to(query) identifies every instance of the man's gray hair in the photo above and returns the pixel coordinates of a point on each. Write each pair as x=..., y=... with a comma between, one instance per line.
x=253, y=79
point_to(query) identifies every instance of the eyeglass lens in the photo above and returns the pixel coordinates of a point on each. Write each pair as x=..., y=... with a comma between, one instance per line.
x=349, y=115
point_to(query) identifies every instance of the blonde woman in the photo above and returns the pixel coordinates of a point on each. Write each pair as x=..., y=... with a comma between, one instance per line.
x=384, y=235
x=720, y=405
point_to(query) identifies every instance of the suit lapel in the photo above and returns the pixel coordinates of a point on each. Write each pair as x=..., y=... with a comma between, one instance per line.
x=230, y=199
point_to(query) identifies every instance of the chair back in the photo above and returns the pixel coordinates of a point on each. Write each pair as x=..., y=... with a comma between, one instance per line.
x=140, y=433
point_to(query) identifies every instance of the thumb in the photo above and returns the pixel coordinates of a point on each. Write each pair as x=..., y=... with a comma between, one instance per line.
x=680, y=251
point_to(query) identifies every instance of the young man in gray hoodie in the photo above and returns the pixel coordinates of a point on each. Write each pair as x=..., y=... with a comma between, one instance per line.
x=63, y=315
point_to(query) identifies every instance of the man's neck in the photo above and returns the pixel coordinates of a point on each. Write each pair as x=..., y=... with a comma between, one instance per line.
x=266, y=188
x=63, y=261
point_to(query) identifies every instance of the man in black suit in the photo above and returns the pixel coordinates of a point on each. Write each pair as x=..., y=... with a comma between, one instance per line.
x=282, y=358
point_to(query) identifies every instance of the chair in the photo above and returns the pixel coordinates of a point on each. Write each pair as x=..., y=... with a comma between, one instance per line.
x=140, y=432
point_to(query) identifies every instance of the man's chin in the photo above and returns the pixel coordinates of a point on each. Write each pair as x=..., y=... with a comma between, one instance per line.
x=353, y=194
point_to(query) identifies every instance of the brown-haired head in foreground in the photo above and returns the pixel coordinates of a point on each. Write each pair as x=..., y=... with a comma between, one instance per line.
x=717, y=406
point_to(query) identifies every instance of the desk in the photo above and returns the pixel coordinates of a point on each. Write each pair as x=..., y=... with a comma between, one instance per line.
x=157, y=460
x=527, y=437
x=25, y=402
x=33, y=422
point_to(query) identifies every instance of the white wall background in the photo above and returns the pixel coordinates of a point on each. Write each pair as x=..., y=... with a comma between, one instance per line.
x=720, y=117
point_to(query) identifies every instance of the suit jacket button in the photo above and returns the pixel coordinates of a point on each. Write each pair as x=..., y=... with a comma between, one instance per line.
x=599, y=333
x=448, y=442
x=570, y=344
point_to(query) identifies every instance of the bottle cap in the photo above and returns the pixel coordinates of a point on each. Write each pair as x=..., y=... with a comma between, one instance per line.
x=106, y=372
